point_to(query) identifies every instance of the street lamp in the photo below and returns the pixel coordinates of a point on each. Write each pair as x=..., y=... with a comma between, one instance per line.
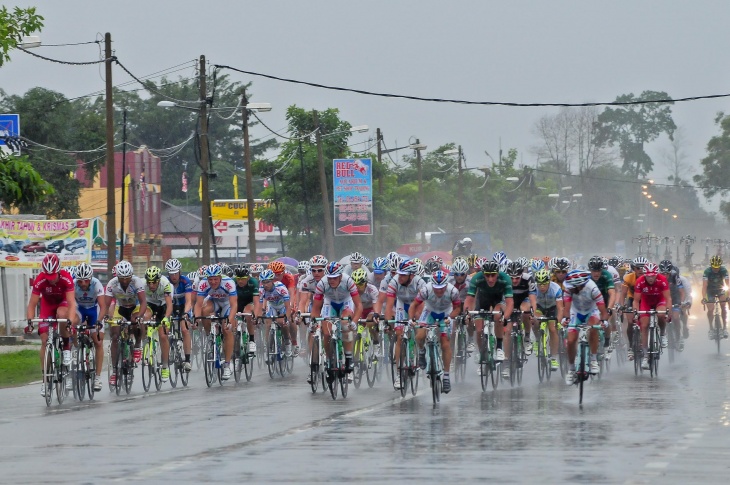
x=512, y=179
x=30, y=42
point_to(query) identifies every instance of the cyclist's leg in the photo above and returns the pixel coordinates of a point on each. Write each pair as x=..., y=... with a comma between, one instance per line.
x=710, y=311
x=479, y=325
x=446, y=350
x=97, y=338
x=228, y=333
x=572, y=345
x=593, y=335
x=662, y=317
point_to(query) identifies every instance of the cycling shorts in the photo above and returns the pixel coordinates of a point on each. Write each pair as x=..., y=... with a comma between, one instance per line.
x=551, y=312
x=577, y=319
x=48, y=310
x=275, y=311
x=158, y=311
x=89, y=315
x=715, y=292
x=332, y=309
x=125, y=312
x=430, y=318
x=650, y=303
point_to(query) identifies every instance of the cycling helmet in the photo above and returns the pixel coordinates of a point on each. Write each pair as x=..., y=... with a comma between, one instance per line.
x=72, y=272
x=515, y=269
x=480, y=262
x=524, y=262
x=561, y=264
x=380, y=265
x=256, y=268
x=83, y=271
x=715, y=261
x=317, y=260
x=334, y=269
x=614, y=261
x=651, y=269
x=213, y=270
x=432, y=266
x=576, y=278
x=545, y=259
x=192, y=275
x=359, y=276
x=173, y=266
x=201, y=271
x=436, y=258
x=499, y=257
x=241, y=272
x=605, y=261
x=277, y=267
x=124, y=269
x=357, y=257
x=472, y=260
x=665, y=266
x=490, y=267
x=459, y=267
x=266, y=275
x=639, y=262
x=51, y=265
x=503, y=266
x=542, y=277
x=303, y=266
x=408, y=267
x=417, y=260
x=438, y=279
x=152, y=274
x=537, y=265
x=595, y=263
x=420, y=269
x=395, y=262
x=367, y=261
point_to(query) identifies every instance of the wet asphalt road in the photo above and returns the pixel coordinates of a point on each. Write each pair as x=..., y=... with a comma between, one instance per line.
x=673, y=429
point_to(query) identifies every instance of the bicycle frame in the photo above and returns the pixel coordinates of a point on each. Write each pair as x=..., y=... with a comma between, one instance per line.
x=489, y=366
x=654, y=349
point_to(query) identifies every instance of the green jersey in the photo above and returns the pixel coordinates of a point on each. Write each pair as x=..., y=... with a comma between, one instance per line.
x=502, y=288
x=604, y=283
x=247, y=293
x=715, y=280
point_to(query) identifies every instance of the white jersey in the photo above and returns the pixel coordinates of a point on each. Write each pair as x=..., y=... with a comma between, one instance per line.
x=614, y=274
x=307, y=284
x=438, y=304
x=126, y=297
x=88, y=298
x=405, y=294
x=226, y=289
x=585, y=301
x=343, y=293
x=383, y=288
x=462, y=288
x=369, y=296
x=159, y=296
x=687, y=289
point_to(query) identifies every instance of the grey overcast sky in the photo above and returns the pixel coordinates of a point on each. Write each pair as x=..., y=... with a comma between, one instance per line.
x=527, y=51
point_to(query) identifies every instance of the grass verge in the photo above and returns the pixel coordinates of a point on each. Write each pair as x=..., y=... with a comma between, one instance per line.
x=17, y=368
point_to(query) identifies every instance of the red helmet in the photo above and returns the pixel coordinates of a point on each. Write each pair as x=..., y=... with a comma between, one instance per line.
x=51, y=265
x=651, y=269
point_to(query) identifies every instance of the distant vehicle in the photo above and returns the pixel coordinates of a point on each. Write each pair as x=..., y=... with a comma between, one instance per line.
x=34, y=247
x=235, y=226
x=12, y=246
x=55, y=246
x=75, y=244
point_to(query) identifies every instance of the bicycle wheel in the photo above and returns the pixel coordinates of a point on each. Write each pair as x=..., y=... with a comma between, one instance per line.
x=434, y=375
x=147, y=367
x=484, y=365
x=333, y=369
x=541, y=359
x=562, y=354
x=247, y=359
x=78, y=375
x=371, y=364
x=656, y=348
x=271, y=354
x=546, y=347
x=358, y=362
x=636, y=346
x=129, y=373
x=48, y=374
x=581, y=374
x=718, y=334
x=61, y=376
x=219, y=359
x=521, y=364
x=119, y=367
x=394, y=369
x=514, y=356
x=199, y=347
x=343, y=385
x=157, y=363
x=184, y=375
x=209, y=361
x=314, y=365
x=652, y=351
x=237, y=357
x=280, y=356
x=174, y=362
x=494, y=370
x=403, y=367
x=90, y=371
x=264, y=352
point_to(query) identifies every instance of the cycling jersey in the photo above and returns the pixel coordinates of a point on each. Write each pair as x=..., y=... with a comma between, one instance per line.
x=88, y=298
x=687, y=289
x=548, y=299
x=383, y=288
x=405, y=294
x=675, y=285
x=555, y=280
x=488, y=294
x=584, y=302
x=288, y=280
x=655, y=291
x=614, y=275
x=126, y=297
x=524, y=288
x=715, y=280
x=463, y=288
x=630, y=282
x=246, y=293
x=53, y=294
x=433, y=303
x=277, y=296
x=182, y=288
x=369, y=296
x=342, y=293
x=226, y=289
x=604, y=283
x=159, y=296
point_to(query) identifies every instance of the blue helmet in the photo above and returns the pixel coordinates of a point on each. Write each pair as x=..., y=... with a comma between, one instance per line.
x=213, y=270
x=537, y=265
x=499, y=257
x=380, y=265
x=438, y=279
x=266, y=275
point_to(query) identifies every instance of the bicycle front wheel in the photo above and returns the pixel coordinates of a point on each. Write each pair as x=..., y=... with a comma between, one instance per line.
x=247, y=359
x=48, y=374
x=90, y=371
x=718, y=332
x=147, y=366
x=271, y=354
x=79, y=373
x=358, y=362
x=209, y=360
x=434, y=374
x=237, y=357
x=403, y=367
x=174, y=362
x=581, y=374
x=541, y=358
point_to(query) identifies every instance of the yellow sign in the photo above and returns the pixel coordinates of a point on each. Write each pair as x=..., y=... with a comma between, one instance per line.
x=24, y=243
x=232, y=209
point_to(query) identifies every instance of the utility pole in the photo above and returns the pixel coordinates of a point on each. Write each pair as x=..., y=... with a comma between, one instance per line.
x=461, y=192
x=204, y=166
x=111, y=214
x=124, y=182
x=421, y=217
x=328, y=224
x=250, y=204
x=304, y=194
x=379, y=137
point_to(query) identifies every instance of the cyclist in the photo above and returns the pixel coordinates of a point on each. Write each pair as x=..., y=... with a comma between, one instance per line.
x=715, y=280
x=158, y=291
x=380, y=268
x=494, y=290
x=401, y=292
x=437, y=301
x=91, y=304
x=524, y=293
x=317, y=264
x=54, y=288
x=277, y=299
x=549, y=298
x=247, y=289
x=584, y=303
x=652, y=293
x=603, y=278
x=129, y=302
x=357, y=261
x=462, y=247
x=560, y=268
x=677, y=292
x=627, y=296
x=460, y=279
x=182, y=304
x=217, y=295
x=302, y=271
x=337, y=296
x=368, y=296
x=282, y=275
x=394, y=260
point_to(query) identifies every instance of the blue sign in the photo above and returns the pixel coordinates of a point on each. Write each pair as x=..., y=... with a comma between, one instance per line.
x=353, y=196
x=9, y=126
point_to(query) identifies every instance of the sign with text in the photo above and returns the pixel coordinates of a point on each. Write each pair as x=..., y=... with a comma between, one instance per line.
x=353, y=196
x=238, y=227
x=23, y=244
x=234, y=209
x=9, y=127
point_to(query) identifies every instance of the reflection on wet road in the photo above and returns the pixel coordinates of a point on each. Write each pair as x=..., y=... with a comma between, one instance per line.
x=630, y=429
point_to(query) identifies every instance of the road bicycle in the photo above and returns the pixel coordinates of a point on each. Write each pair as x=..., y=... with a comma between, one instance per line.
x=461, y=355
x=407, y=366
x=242, y=358
x=214, y=358
x=490, y=367
x=654, y=349
x=518, y=356
x=544, y=369
x=317, y=355
x=582, y=370
x=54, y=372
x=123, y=365
x=198, y=345
x=151, y=356
x=176, y=360
x=716, y=322
x=276, y=359
x=434, y=358
x=335, y=360
x=84, y=369
x=261, y=339
x=364, y=359
x=562, y=348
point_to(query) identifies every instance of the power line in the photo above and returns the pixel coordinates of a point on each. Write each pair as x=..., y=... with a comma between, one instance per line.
x=640, y=182
x=58, y=61
x=467, y=102
x=71, y=43
x=150, y=90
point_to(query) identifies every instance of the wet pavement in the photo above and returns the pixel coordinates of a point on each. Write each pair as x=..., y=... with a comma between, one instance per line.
x=671, y=429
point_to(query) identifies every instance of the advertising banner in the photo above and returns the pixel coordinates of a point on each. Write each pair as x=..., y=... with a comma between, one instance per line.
x=23, y=244
x=353, y=196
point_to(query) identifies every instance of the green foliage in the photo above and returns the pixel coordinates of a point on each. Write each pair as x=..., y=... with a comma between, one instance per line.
x=20, y=183
x=716, y=165
x=19, y=368
x=14, y=26
x=633, y=125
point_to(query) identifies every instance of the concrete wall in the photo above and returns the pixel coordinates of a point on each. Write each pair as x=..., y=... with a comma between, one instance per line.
x=18, y=281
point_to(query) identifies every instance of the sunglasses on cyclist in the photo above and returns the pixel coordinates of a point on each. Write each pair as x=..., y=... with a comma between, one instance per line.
x=459, y=274
x=489, y=275
x=318, y=271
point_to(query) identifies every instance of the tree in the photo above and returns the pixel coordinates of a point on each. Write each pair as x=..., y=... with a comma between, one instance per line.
x=631, y=126
x=716, y=165
x=675, y=158
x=14, y=26
x=20, y=183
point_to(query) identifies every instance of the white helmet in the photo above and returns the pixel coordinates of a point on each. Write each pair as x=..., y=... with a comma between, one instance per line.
x=173, y=266
x=84, y=271
x=460, y=266
x=357, y=257
x=124, y=269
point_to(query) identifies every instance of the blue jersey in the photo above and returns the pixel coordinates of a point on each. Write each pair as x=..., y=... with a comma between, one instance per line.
x=549, y=297
x=182, y=288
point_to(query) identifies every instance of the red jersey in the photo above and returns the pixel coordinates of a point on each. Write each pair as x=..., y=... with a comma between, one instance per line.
x=50, y=293
x=651, y=291
x=288, y=280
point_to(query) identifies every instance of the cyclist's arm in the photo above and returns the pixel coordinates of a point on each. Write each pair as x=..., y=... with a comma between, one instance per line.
x=188, y=301
x=668, y=298
x=509, y=306
x=637, y=300
x=233, y=302
x=624, y=292
x=302, y=301
x=533, y=303
x=168, y=307
x=317, y=308
x=566, y=305
x=111, y=304
x=389, y=307
x=32, y=304
x=257, y=305
x=704, y=290
x=198, y=307
x=71, y=301
x=378, y=306
x=682, y=294
x=358, y=307
x=142, y=297
x=602, y=310
x=415, y=309
x=611, y=297
x=469, y=303
x=559, y=310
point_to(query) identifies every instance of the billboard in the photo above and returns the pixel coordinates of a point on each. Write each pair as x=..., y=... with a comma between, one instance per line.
x=9, y=127
x=23, y=243
x=353, y=196
x=233, y=209
x=230, y=218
